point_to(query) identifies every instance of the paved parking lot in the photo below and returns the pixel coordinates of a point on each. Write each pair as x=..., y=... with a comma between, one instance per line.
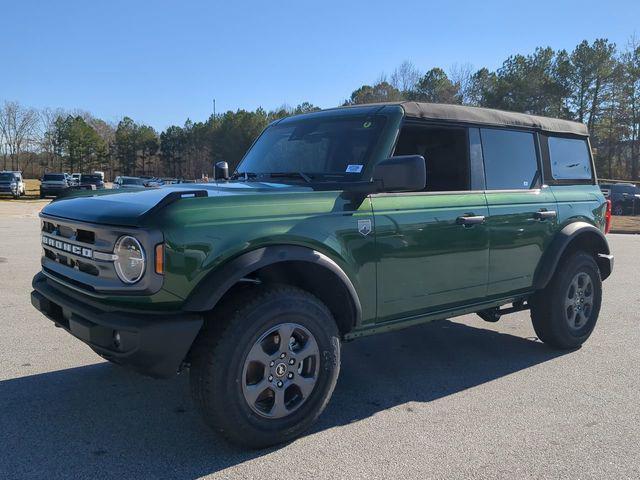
x=452, y=399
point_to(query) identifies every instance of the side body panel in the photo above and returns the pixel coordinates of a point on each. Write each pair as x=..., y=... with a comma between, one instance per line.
x=203, y=234
x=580, y=203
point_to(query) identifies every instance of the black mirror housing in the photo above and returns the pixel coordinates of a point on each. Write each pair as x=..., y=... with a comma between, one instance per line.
x=221, y=171
x=405, y=173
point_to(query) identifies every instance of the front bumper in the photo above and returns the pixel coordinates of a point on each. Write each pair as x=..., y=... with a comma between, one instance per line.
x=154, y=344
x=52, y=191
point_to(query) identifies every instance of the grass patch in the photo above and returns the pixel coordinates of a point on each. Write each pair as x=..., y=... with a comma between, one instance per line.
x=625, y=224
x=32, y=187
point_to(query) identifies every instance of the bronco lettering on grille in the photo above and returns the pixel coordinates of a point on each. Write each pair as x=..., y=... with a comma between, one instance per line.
x=67, y=247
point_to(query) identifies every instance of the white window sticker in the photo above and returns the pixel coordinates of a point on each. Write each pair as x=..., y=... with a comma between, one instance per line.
x=354, y=168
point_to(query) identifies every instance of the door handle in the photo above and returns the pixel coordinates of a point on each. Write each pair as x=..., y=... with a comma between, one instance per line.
x=544, y=214
x=470, y=220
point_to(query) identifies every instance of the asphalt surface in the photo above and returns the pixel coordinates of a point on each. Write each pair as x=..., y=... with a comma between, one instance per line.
x=451, y=399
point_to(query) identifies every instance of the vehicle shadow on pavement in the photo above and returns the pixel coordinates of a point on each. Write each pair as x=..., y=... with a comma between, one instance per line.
x=103, y=421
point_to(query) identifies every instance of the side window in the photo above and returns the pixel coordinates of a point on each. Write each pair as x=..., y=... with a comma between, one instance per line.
x=510, y=160
x=445, y=153
x=569, y=158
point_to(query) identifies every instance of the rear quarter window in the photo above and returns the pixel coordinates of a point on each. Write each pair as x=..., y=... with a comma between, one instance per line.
x=569, y=158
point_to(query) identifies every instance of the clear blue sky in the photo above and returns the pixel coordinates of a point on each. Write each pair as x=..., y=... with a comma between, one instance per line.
x=161, y=62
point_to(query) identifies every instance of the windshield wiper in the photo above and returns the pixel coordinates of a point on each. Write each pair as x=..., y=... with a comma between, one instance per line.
x=302, y=175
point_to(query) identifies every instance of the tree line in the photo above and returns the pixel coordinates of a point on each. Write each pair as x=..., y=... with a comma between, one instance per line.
x=596, y=83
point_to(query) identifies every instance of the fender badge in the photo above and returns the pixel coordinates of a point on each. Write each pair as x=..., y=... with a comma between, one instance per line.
x=364, y=227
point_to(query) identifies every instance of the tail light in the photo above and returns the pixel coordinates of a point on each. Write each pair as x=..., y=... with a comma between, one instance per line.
x=607, y=217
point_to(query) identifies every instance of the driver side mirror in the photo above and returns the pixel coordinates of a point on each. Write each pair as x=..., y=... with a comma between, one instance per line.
x=221, y=171
x=405, y=173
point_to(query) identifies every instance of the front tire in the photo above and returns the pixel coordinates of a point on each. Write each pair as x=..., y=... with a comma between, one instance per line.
x=565, y=313
x=264, y=368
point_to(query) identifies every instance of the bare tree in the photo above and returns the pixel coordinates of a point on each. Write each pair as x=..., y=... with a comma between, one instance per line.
x=405, y=77
x=48, y=137
x=461, y=75
x=18, y=126
x=4, y=147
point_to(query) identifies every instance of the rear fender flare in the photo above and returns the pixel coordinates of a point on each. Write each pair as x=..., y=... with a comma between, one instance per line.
x=573, y=232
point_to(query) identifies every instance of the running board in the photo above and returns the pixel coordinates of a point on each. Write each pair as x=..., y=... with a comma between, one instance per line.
x=493, y=314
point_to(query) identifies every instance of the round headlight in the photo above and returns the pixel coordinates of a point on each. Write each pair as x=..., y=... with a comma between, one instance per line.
x=130, y=261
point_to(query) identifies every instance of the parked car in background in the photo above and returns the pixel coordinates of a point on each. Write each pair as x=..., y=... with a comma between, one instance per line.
x=11, y=183
x=100, y=173
x=625, y=197
x=91, y=180
x=128, y=182
x=150, y=181
x=75, y=179
x=53, y=184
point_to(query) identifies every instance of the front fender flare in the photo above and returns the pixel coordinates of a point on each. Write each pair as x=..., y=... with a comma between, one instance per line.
x=212, y=288
x=563, y=239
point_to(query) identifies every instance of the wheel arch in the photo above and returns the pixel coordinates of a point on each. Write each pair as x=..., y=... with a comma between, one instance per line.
x=575, y=236
x=289, y=264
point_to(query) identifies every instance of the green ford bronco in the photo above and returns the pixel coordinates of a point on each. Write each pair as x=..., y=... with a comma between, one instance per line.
x=336, y=224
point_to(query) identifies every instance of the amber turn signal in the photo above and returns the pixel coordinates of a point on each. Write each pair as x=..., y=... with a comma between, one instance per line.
x=160, y=259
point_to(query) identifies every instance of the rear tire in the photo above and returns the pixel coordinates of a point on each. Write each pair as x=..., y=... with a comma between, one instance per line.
x=253, y=384
x=565, y=313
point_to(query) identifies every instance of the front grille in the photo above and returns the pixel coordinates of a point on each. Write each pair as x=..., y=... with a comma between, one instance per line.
x=69, y=232
x=80, y=265
x=68, y=248
x=79, y=254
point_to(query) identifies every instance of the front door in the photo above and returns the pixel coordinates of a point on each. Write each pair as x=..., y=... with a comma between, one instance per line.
x=433, y=245
x=429, y=256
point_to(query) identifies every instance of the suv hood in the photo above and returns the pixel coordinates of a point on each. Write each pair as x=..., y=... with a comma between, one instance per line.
x=130, y=208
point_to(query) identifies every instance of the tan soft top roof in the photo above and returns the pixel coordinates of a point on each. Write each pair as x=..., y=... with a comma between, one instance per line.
x=476, y=115
x=488, y=116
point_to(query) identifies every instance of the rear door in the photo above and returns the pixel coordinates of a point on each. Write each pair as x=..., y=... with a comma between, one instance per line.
x=522, y=211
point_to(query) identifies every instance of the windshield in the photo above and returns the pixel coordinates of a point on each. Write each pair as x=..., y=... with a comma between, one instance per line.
x=6, y=177
x=132, y=181
x=337, y=147
x=53, y=177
